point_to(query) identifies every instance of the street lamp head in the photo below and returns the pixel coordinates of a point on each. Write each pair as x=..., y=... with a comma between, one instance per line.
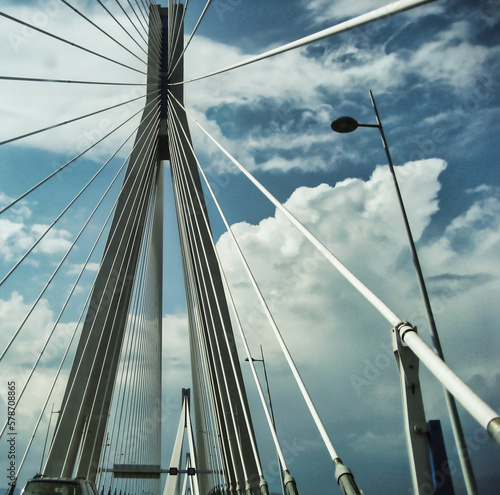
x=344, y=125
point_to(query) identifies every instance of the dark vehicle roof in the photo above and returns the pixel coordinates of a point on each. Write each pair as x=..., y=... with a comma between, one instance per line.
x=59, y=486
x=56, y=480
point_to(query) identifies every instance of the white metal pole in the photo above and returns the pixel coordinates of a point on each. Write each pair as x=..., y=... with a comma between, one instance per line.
x=372, y=16
x=479, y=410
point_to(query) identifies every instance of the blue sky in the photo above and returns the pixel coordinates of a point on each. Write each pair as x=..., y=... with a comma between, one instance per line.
x=435, y=74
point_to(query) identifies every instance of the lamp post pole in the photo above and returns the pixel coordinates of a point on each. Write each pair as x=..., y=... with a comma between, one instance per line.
x=270, y=410
x=47, y=436
x=348, y=124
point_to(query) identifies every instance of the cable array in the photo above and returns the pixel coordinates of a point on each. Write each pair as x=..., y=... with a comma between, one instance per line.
x=111, y=414
x=209, y=344
x=139, y=383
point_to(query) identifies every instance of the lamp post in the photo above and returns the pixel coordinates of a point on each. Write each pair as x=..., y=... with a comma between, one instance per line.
x=47, y=436
x=270, y=409
x=105, y=461
x=345, y=125
x=267, y=382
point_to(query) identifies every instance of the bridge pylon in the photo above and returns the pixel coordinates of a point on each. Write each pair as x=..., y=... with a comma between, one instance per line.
x=80, y=433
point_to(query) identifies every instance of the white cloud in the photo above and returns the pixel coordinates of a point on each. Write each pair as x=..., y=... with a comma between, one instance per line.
x=18, y=237
x=32, y=106
x=31, y=332
x=340, y=344
x=297, y=80
x=357, y=220
x=324, y=10
x=76, y=269
x=175, y=348
x=18, y=363
x=475, y=232
x=454, y=51
x=18, y=234
x=55, y=241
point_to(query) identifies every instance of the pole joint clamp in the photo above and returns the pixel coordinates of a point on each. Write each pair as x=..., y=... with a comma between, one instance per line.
x=403, y=327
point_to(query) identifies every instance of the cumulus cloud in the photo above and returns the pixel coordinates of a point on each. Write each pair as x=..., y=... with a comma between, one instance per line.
x=476, y=231
x=357, y=220
x=341, y=345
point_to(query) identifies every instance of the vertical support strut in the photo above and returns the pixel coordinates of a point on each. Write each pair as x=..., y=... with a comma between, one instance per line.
x=88, y=394
x=417, y=435
x=173, y=479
